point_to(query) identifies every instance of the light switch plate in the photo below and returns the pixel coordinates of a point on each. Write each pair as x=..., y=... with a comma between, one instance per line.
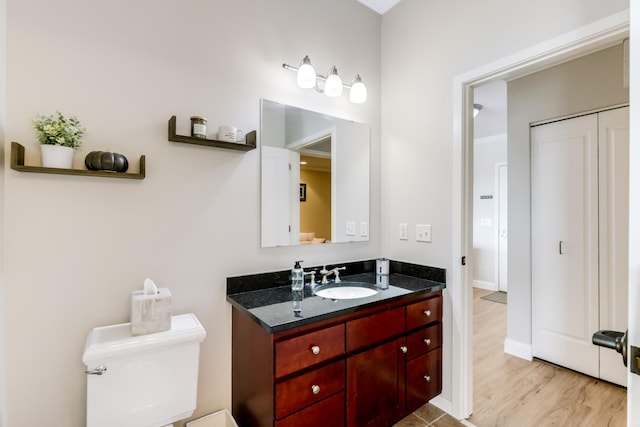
x=350, y=228
x=404, y=231
x=364, y=229
x=423, y=233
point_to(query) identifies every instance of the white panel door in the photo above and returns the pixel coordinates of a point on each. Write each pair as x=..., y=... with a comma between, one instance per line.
x=280, y=208
x=614, y=234
x=564, y=215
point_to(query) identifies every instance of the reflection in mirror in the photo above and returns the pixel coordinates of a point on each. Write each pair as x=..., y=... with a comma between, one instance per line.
x=315, y=177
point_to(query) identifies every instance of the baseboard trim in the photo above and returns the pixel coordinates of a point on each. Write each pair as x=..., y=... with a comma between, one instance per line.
x=447, y=406
x=483, y=284
x=518, y=349
x=442, y=403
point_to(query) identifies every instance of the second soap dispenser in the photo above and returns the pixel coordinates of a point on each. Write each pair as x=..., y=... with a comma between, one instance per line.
x=297, y=277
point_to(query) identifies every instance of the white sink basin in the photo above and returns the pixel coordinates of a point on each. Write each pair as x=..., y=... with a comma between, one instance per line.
x=346, y=291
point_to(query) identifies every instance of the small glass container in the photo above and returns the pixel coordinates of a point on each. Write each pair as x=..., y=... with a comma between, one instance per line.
x=198, y=127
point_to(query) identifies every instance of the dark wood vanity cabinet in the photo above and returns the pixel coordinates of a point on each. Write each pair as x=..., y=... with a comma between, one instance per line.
x=368, y=368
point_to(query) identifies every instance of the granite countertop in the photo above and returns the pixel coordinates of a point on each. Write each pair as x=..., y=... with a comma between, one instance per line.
x=273, y=306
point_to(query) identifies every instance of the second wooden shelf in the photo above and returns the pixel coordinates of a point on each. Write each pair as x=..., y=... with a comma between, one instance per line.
x=250, y=139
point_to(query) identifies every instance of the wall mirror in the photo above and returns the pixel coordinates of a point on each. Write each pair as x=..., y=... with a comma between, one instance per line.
x=315, y=177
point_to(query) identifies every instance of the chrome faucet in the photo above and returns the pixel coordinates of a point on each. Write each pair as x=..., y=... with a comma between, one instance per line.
x=325, y=273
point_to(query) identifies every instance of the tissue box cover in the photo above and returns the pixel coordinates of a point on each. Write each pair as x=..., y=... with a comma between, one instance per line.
x=150, y=313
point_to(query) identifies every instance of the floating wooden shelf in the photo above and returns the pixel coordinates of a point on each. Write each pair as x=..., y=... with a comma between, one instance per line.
x=17, y=163
x=250, y=139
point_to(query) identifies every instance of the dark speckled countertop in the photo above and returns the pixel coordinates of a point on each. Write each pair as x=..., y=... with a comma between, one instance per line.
x=267, y=298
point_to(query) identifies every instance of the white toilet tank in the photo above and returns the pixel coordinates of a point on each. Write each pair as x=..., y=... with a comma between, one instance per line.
x=150, y=380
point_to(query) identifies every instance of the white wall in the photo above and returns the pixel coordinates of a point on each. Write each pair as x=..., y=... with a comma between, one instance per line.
x=588, y=83
x=424, y=46
x=75, y=247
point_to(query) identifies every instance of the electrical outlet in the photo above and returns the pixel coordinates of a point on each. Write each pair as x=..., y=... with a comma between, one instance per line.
x=423, y=233
x=350, y=229
x=364, y=229
x=404, y=231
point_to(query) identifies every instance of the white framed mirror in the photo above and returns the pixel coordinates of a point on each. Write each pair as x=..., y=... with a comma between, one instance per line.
x=314, y=178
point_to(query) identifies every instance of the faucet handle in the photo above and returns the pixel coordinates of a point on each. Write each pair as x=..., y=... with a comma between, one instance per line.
x=337, y=273
x=311, y=273
x=324, y=270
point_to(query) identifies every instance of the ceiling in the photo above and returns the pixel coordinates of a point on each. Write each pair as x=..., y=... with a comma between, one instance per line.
x=380, y=6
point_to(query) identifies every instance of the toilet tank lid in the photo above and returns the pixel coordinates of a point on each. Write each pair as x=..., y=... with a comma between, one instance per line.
x=108, y=342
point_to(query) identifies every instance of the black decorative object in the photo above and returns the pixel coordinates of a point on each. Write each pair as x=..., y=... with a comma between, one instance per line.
x=106, y=161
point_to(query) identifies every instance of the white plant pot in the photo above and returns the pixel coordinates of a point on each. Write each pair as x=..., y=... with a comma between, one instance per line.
x=57, y=156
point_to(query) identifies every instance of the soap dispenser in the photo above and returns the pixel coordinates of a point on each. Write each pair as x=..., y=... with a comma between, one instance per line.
x=297, y=277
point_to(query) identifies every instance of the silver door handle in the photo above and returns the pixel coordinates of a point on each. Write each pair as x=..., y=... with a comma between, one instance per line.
x=97, y=371
x=561, y=247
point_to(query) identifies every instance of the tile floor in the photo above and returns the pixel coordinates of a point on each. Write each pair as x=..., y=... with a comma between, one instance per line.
x=429, y=416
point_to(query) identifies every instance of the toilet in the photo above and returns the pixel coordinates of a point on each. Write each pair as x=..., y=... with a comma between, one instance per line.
x=142, y=381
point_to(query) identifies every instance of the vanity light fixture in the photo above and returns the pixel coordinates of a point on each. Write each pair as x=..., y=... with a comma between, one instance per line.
x=333, y=84
x=476, y=109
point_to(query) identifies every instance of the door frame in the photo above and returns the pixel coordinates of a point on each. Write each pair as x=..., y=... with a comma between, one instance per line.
x=590, y=38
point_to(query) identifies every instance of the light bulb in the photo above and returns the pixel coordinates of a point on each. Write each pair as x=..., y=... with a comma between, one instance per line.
x=358, y=93
x=306, y=74
x=333, y=84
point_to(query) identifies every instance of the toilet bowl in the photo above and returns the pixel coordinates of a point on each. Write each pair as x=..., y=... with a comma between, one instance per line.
x=142, y=381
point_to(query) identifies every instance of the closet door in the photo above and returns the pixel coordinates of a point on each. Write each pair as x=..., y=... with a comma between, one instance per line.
x=614, y=234
x=564, y=220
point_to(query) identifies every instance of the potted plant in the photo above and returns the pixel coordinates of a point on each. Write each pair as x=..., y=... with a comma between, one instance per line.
x=59, y=136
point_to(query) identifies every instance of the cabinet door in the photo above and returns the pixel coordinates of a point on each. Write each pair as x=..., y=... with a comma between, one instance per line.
x=375, y=386
x=424, y=379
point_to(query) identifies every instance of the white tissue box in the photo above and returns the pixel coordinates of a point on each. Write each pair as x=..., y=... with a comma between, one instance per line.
x=150, y=313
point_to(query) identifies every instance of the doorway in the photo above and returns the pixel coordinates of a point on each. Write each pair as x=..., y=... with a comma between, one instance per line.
x=594, y=37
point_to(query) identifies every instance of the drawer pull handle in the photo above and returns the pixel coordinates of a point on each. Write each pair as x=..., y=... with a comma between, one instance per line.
x=404, y=349
x=427, y=313
x=315, y=349
x=427, y=341
x=315, y=389
x=427, y=378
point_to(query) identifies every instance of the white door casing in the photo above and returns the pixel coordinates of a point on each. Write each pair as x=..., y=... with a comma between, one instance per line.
x=564, y=238
x=588, y=38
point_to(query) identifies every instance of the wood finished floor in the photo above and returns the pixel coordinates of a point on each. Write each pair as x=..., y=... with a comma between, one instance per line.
x=512, y=392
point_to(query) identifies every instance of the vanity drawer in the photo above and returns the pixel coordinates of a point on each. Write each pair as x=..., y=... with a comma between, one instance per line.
x=375, y=328
x=329, y=412
x=424, y=340
x=424, y=379
x=424, y=312
x=309, y=349
x=309, y=388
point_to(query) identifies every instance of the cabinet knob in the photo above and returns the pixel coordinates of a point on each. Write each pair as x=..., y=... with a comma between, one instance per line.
x=427, y=341
x=427, y=313
x=427, y=378
x=315, y=389
x=404, y=349
x=315, y=349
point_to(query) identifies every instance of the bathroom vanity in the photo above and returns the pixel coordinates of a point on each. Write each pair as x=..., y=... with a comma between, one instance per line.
x=352, y=362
